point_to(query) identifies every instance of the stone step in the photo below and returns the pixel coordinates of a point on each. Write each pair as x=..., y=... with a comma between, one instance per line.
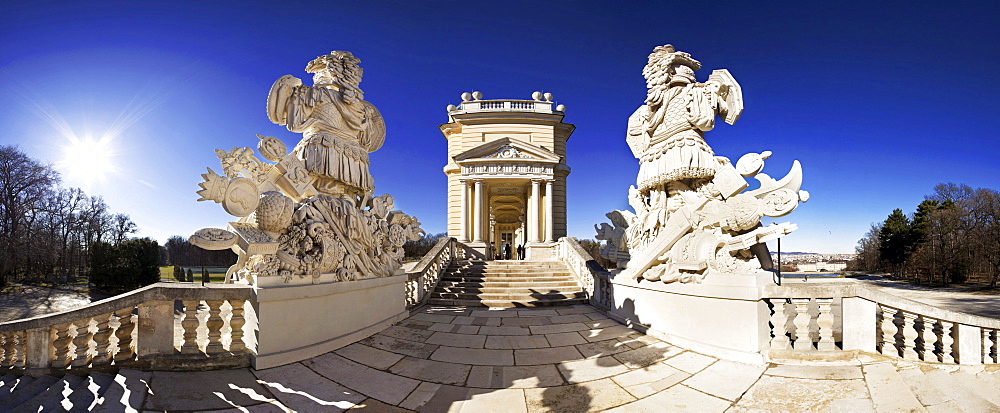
x=984, y=390
x=88, y=396
x=127, y=392
x=56, y=397
x=512, y=272
x=506, y=279
x=921, y=387
x=515, y=284
x=966, y=399
x=889, y=392
x=506, y=303
x=24, y=393
x=515, y=296
x=506, y=290
x=11, y=382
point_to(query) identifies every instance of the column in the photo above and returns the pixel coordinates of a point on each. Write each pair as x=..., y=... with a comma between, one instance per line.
x=533, y=218
x=463, y=218
x=548, y=212
x=477, y=223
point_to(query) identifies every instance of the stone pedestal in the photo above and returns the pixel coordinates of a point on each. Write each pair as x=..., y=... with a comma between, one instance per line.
x=303, y=321
x=723, y=316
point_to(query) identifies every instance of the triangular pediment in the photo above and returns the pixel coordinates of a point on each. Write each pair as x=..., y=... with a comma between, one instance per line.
x=507, y=149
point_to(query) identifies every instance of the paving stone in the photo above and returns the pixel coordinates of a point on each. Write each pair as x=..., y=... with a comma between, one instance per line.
x=486, y=321
x=546, y=355
x=473, y=356
x=432, y=371
x=725, y=379
x=690, y=362
x=602, y=348
x=798, y=394
x=462, y=399
x=398, y=346
x=445, y=327
x=420, y=396
x=591, y=369
x=467, y=329
x=455, y=311
x=571, y=318
x=851, y=406
x=407, y=333
x=376, y=406
x=525, y=321
x=926, y=392
x=583, y=397
x=565, y=339
x=205, y=390
x=482, y=376
x=377, y=384
x=504, y=331
x=537, y=313
x=596, y=316
x=651, y=374
x=888, y=390
x=434, y=318
x=674, y=399
x=816, y=372
x=576, y=310
x=303, y=390
x=417, y=325
x=557, y=328
x=608, y=333
x=604, y=323
x=644, y=356
x=640, y=338
x=369, y=356
x=494, y=313
x=516, y=342
x=950, y=384
x=463, y=320
x=457, y=340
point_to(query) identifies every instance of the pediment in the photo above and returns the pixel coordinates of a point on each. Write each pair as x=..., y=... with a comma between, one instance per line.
x=507, y=149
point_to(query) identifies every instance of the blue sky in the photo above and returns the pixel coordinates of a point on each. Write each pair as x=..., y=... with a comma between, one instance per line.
x=880, y=101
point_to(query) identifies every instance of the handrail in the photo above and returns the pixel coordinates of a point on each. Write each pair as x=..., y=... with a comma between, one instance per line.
x=507, y=105
x=806, y=318
x=142, y=323
x=596, y=280
x=423, y=277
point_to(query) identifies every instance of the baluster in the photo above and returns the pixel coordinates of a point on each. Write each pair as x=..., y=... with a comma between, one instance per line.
x=124, y=334
x=825, y=323
x=9, y=343
x=779, y=319
x=190, y=326
x=82, y=343
x=15, y=348
x=930, y=339
x=3, y=349
x=62, y=357
x=909, y=336
x=803, y=341
x=102, y=339
x=214, y=325
x=947, y=342
x=236, y=324
x=989, y=346
x=888, y=330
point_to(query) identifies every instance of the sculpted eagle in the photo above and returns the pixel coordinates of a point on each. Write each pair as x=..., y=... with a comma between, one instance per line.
x=339, y=128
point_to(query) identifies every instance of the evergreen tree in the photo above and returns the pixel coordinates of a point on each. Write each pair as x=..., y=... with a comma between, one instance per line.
x=190, y=276
x=895, y=239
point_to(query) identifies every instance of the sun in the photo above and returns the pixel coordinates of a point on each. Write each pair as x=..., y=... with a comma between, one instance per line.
x=87, y=160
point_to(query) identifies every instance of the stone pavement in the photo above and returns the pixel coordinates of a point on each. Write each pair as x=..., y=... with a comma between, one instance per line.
x=565, y=359
x=28, y=301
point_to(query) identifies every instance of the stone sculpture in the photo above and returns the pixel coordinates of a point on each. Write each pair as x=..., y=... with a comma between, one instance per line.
x=692, y=217
x=310, y=216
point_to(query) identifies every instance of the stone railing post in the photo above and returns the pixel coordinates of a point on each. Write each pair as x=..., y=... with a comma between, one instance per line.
x=156, y=328
x=859, y=324
x=38, y=348
x=970, y=344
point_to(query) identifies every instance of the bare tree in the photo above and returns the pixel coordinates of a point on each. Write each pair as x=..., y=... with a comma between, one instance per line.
x=24, y=183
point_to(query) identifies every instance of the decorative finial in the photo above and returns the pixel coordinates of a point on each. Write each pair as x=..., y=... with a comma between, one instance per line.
x=466, y=97
x=477, y=95
x=548, y=97
x=536, y=95
x=451, y=107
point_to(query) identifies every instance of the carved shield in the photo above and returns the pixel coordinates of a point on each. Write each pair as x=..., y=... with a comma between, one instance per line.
x=637, y=138
x=730, y=92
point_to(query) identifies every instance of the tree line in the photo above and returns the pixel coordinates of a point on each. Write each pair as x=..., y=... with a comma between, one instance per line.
x=953, y=235
x=46, y=229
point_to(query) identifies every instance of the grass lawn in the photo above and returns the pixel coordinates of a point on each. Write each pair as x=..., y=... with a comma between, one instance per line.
x=215, y=274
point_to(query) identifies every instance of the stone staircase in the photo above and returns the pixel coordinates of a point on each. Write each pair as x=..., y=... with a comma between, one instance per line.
x=507, y=283
x=919, y=387
x=124, y=391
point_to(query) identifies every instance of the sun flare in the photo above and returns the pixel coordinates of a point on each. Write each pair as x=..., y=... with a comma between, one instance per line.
x=87, y=160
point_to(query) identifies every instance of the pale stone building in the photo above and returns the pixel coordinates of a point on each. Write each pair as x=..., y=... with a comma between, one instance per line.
x=507, y=173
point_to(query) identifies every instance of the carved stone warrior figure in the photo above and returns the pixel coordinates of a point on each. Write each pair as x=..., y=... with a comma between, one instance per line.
x=667, y=133
x=339, y=128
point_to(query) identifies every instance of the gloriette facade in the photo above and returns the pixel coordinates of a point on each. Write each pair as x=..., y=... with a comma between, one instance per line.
x=507, y=174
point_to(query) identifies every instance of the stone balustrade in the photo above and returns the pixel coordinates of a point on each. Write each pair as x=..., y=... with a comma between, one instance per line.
x=505, y=105
x=136, y=329
x=832, y=317
x=424, y=276
x=594, y=278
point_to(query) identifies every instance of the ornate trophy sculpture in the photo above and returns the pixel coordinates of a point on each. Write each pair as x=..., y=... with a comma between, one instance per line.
x=311, y=214
x=692, y=217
